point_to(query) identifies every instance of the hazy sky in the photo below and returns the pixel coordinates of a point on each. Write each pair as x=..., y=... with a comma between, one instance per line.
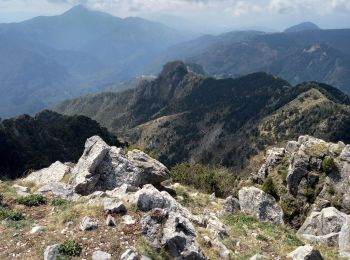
x=200, y=15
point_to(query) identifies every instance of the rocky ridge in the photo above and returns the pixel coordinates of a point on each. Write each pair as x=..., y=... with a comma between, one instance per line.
x=132, y=196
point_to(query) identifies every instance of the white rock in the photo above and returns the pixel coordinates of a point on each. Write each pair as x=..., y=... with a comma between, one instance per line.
x=88, y=223
x=100, y=255
x=52, y=174
x=223, y=251
x=128, y=220
x=36, y=229
x=306, y=252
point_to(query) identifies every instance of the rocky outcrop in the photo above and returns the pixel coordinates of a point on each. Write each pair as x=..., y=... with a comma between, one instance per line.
x=329, y=220
x=296, y=172
x=274, y=156
x=54, y=173
x=168, y=224
x=260, y=205
x=102, y=167
x=149, y=198
x=306, y=252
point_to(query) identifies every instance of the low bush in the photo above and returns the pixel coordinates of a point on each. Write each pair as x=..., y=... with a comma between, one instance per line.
x=61, y=203
x=328, y=165
x=6, y=213
x=207, y=179
x=32, y=200
x=70, y=248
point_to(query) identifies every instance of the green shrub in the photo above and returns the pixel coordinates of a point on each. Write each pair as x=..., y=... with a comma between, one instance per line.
x=32, y=200
x=61, y=203
x=6, y=213
x=310, y=194
x=269, y=187
x=331, y=189
x=70, y=248
x=1, y=198
x=207, y=179
x=328, y=165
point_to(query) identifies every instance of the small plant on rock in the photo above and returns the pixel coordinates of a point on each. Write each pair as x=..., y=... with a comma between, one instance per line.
x=328, y=165
x=32, y=200
x=269, y=187
x=70, y=248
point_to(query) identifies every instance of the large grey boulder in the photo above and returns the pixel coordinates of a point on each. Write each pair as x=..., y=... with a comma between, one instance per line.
x=260, y=205
x=103, y=168
x=84, y=177
x=152, y=224
x=327, y=221
x=54, y=173
x=306, y=252
x=51, y=252
x=153, y=171
x=149, y=198
x=179, y=238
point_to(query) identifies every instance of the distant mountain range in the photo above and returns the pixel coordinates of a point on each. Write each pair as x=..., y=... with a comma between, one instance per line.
x=182, y=115
x=302, y=53
x=48, y=59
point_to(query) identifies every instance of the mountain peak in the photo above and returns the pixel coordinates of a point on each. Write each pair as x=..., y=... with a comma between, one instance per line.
x=305, y=26
x=78, y=9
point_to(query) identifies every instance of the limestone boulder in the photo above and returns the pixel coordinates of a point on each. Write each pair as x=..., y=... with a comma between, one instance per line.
x=260, y=205
x=105, y=168
x=54, y=173
x=328, y=220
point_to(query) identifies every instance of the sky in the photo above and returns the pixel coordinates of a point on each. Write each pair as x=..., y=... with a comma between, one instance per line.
x=204, y=16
